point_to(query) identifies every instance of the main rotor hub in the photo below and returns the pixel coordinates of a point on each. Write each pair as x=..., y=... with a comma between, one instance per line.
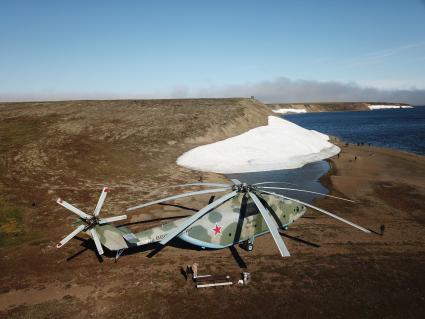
x=90, y=222
x=243, y=188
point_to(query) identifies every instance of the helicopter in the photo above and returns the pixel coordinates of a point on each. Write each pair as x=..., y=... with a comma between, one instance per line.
x=245, y=212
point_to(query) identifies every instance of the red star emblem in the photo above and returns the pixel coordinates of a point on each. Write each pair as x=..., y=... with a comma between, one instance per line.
x=217, y=229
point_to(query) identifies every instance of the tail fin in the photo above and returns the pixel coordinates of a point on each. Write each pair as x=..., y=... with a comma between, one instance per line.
x=111, y=237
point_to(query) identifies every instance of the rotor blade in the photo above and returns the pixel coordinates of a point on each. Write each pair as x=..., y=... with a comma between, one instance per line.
x=200, y=184
x=271, y=224
x=112, y=219
x=73, y=209
x=306, y=191
x=70, y=236
x=99, y=248
x=102, y=197
x=321, y=210
x=262, y=183
x=190, y=220
x=205, y=191
x=236, y=181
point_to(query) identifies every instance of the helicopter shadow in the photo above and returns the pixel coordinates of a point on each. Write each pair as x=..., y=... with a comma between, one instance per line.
x=176, y=243
x=300, y=240
x=87, y=244
x=239, y=260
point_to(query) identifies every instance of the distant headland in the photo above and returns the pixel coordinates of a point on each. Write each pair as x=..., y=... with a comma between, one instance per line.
x=284, y=108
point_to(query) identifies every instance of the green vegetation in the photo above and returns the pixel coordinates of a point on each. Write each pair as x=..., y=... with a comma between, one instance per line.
x=17, y=132
x=14, y=134
x=12, y=230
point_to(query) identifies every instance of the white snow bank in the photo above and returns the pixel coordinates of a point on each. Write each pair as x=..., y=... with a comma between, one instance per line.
x=380, y=107
x=321, y=135
x=279, y=145
x=284, y=111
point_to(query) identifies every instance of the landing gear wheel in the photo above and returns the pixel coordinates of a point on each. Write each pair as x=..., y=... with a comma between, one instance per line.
x=248, y=245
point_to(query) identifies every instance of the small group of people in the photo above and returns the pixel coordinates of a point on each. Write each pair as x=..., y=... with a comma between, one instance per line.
x=355, y=157
x=358, y=144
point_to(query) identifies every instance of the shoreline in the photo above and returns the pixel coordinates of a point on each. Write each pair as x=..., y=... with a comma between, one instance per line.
x=362, y=153
x=326, y=181
x=376, y=177
x=323, y=107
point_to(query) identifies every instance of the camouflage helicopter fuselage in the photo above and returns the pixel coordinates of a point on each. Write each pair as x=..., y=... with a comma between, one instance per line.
x=237, y=217
x=237, y=220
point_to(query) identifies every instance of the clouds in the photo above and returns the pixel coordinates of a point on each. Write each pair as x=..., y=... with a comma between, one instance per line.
x=285, y=90
x=280, y=89
x=57, y=96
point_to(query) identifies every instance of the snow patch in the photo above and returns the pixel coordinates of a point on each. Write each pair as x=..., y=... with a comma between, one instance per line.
x=285, y=111
x=321, y=135
x=381, y=107
x=279, y=145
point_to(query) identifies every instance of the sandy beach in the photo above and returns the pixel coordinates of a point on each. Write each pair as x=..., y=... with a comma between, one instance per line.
x=334, y=270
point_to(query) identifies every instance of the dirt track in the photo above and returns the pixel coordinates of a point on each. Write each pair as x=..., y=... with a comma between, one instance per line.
x=351, y=274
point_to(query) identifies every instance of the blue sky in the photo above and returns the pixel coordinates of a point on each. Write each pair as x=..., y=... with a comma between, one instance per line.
x=102, y=49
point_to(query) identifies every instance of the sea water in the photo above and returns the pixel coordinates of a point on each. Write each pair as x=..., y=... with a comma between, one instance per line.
x=402, y=129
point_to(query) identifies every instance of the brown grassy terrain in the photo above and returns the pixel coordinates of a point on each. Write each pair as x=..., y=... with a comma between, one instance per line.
x=72, y=149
